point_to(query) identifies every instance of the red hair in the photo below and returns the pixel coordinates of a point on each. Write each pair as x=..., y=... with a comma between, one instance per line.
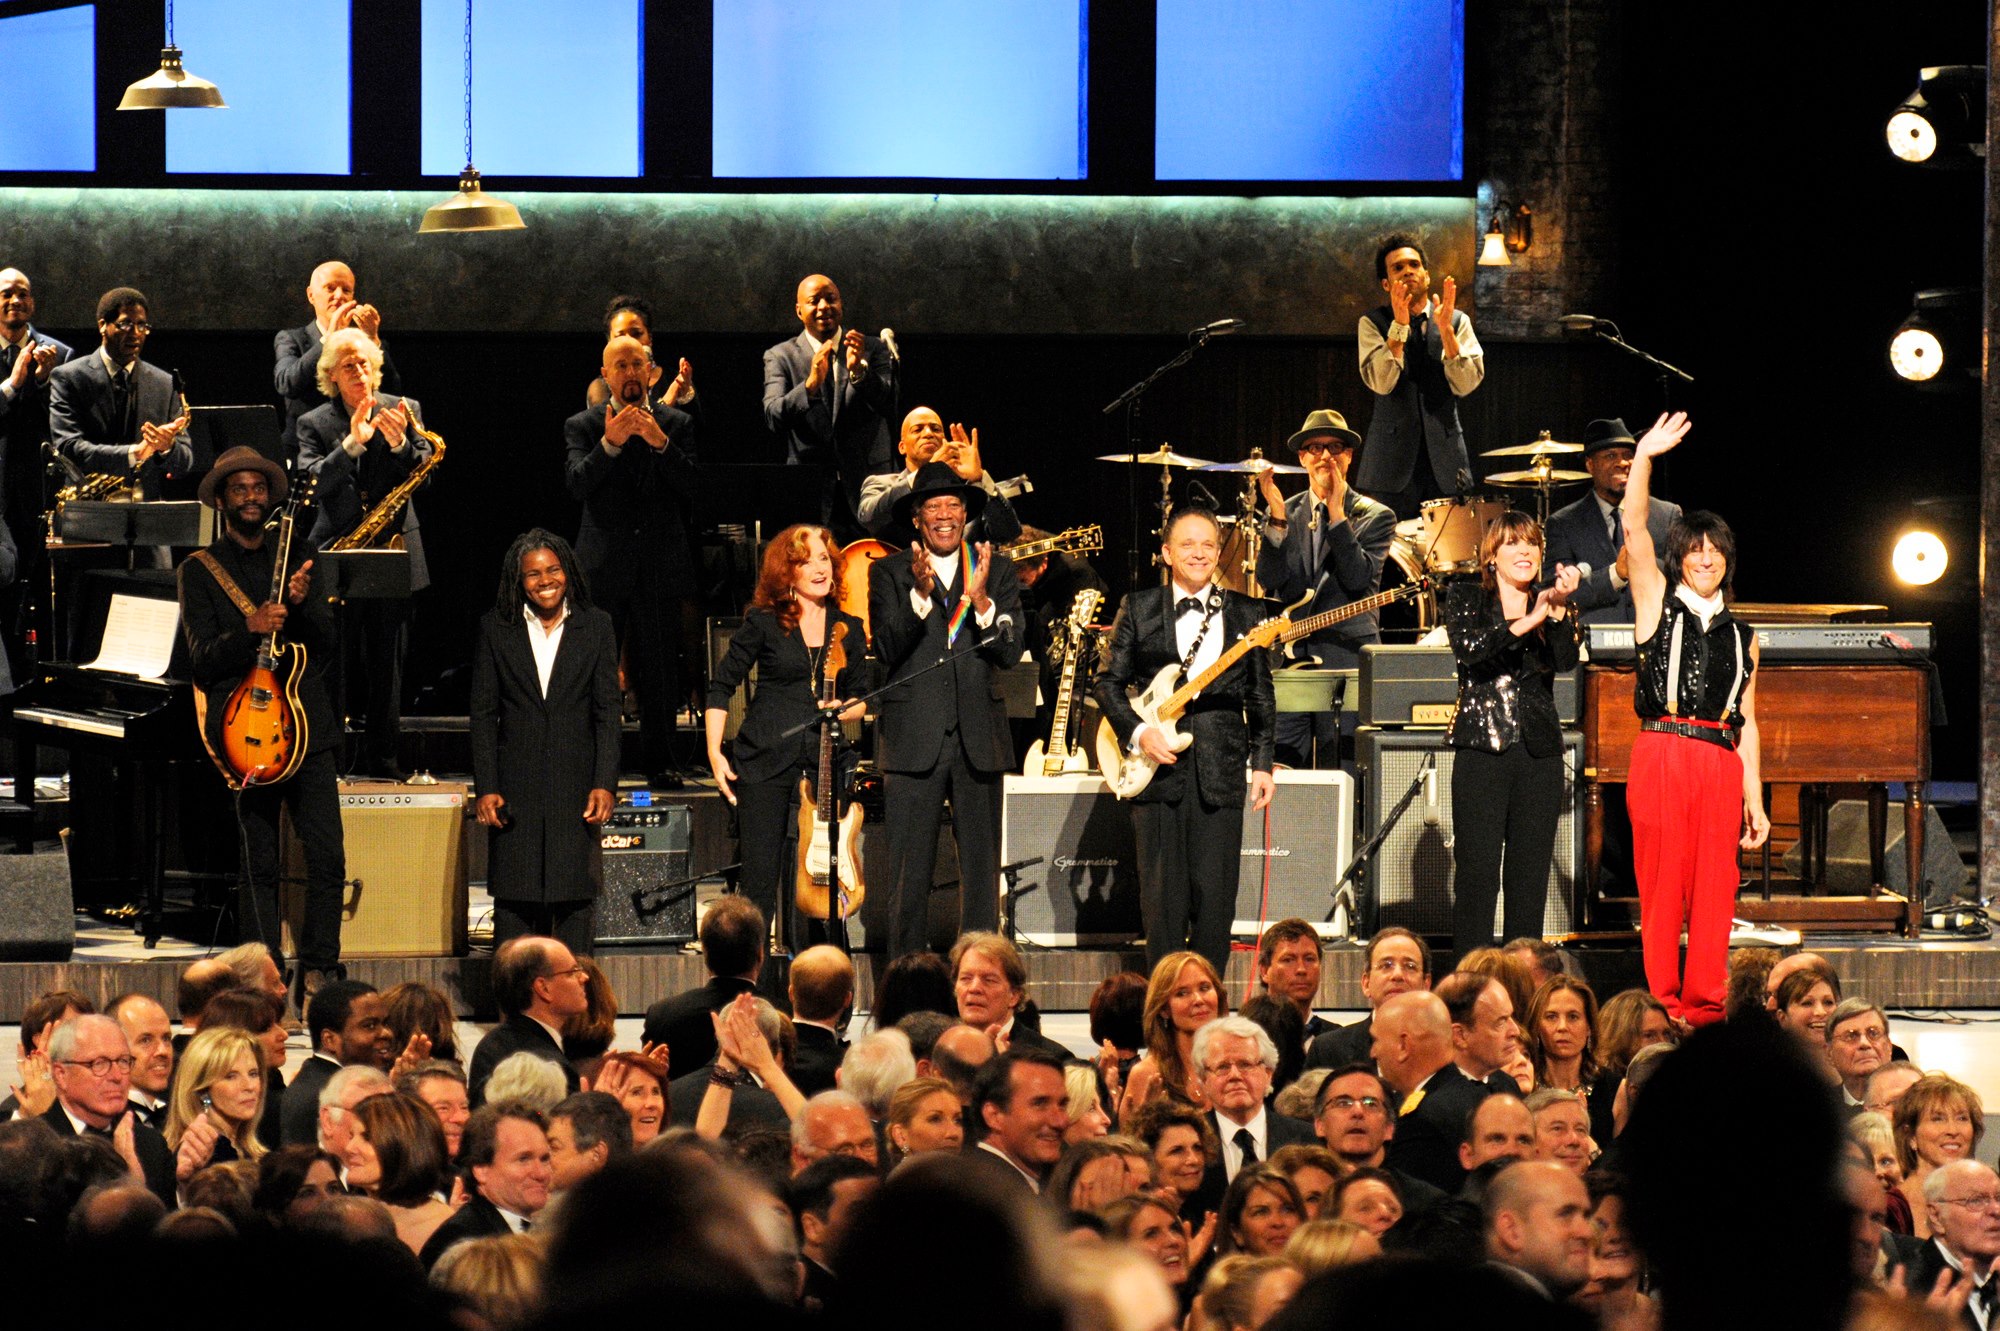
x=788, y=550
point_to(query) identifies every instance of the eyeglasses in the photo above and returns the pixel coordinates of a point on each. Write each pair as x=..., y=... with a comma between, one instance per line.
x=1983, y=1202
x=1859, y=1035
x=1367, y=1102
x=576, y=971
x=1231, y=1069
x=127, y=326
x=101, y=1067
x=1390, y=965
x=1323, y=446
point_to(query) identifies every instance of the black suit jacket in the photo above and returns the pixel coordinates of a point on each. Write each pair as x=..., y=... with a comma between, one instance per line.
x=1233, y=720
x=909, y=737
x=819, y=1054
x=24, y=428
x=512, y=1036
x=852, y=433
x=783, y=696
x=1506, y=682
x=683, y=1023
x=1279, y=1132
x=1427, y=1138
x=349, y=487
x=1577, y=535
x=1342, y=1045
x=544, y=755
x=1349, y=567
x=1028, y=1037
x=155, y=1160
x=298, y=1123
x=296, y=377
x=85, y=423
x=477, y=1219
x=1922, y=1261
x=638, y=508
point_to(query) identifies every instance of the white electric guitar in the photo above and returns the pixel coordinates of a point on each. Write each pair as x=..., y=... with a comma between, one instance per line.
x=1060, y=755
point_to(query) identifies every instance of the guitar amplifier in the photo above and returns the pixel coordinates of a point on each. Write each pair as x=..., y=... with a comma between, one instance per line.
x=1085, y=893
x=1410, y=879
x=1406, y=685
x=644, y=895
x=405, y=894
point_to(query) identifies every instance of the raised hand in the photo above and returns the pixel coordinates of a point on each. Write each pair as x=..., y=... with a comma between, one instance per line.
x=37, y=1090
x=299, y=583
x=1447, y=302
x=415, y=1052
x=856, y=366
x=962, y=453
x=647, y=427
x=924, y=572
x=1666, y=432
x=975, y=578
x=368, y=319
x=681, y=390
x=359, y=428
x=1565, y=585
x=1274, y=498
x=822, y=365
x=197, y=1145
x=1399, y=301
x=622, y=423
x=24, y=365
x=394, y=425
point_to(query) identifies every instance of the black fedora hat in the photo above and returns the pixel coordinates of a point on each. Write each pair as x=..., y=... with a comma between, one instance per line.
x=243, y=459
x=934, y=479
x=1605, y=433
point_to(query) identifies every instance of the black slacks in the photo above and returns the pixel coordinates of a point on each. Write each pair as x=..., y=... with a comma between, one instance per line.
x=313, y=797
x=571, y=923
x=914, y=805
x=1504, y=806
x=1190, y=857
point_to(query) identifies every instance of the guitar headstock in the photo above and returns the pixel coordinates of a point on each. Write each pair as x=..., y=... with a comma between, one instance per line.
x=1082, y=540
x=1084, y=608
x=303, y=491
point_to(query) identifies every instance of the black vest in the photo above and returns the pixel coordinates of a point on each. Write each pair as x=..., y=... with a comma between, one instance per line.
x=1686, y=672
x=1415, y=425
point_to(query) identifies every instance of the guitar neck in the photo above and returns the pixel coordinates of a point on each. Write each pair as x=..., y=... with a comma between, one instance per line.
x=1312, y=624
x=1069, y=542
x=1188, y=692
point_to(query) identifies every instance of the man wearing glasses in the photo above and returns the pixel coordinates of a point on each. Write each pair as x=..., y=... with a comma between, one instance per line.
x=1397, y=962
x=1962, y=1200
x=1330, y=540
x=115, y=413
x=91, y=1064
x=1235, y=1060
x=536, y=985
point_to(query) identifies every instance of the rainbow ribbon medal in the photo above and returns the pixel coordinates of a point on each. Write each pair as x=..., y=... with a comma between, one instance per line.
x=964, y=606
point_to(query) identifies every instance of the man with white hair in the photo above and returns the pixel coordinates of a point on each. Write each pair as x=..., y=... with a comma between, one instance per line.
x=343, y=1091
x=330, y=293
x=874, y=1068
x=90, y=1062
x=1235, y=1059
x=833, y=1123
x=1962, y=1204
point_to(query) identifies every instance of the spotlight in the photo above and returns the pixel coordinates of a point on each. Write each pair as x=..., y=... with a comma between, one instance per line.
x=1920, y=558
x=1942, y=123
x=1937, y=346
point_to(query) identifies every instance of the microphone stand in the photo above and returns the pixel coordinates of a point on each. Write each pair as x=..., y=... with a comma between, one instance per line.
x=1131, y=401
x=821, y=713
x=1668, y=373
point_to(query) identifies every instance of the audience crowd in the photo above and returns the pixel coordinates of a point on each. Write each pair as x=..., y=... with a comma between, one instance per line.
x=1493, y=1144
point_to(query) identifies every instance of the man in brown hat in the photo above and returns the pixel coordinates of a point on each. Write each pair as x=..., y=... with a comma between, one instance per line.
x=943, y=733
x=226, y=611
x=1329, y=540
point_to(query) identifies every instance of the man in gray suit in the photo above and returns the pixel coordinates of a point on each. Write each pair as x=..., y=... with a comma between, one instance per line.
x=830, y=394
x=113, y=412
x=1590, y=533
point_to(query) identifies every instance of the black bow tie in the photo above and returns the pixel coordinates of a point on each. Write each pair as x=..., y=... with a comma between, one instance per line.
x=1190, y=605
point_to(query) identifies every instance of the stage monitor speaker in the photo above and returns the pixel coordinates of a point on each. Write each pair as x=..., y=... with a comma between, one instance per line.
x=405, y=892
x=1945, y=877
x=647, y=895
x=1085, y=893
x=1410, y=880
x=39, y=919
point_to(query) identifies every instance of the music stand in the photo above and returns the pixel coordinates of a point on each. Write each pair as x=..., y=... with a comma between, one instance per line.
x=363, y=575
x=162, y=522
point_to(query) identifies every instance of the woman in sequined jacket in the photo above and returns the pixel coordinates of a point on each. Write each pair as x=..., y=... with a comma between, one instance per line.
x=1507, y=780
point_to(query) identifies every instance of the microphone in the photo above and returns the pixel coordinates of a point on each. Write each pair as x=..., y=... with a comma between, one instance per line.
x=888, y=336
x=1220, y=328
x=1584, y=323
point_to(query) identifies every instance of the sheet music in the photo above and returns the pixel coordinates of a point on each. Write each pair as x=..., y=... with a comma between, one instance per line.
x=138, y=636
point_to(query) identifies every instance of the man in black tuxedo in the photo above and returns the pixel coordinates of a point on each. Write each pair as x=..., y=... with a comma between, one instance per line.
x=27, y=358
x=346, y=1025
x=1413, y=1050
x=943, y=733
x=112, y=412
x=1235, y=1059
x=1484, y=1035
x=151, y=1037
x=632, y=467
x=1020, y=1106
x=830, y=394
x=822, y=993
x=91, y=1065
x=296, y=375
x=732, y=948
x=536, y=985
x=506, y=1148
x=1962, y=1205
x=1419, y=356
x=361, y=445
x=1590, y=533
x=1188, y=821
x=1330, y=540
x=1397, y=961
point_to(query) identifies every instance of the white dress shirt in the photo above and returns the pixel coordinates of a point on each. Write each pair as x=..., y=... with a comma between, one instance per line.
x=544, y=643
x=946, y=568
x=1232, y=1154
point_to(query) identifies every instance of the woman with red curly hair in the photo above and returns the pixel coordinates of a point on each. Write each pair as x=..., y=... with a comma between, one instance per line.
x=785, y=631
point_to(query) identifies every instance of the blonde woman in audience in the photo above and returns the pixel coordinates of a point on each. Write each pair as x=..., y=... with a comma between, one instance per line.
x=1876, y=1137
x=925, y=1115
x=1318, y=1246
x=1087, y=1119
x=497, y=1281
x=527, y=1079
x=1243, y=1293
x=1183, y=995
x=217, y=1097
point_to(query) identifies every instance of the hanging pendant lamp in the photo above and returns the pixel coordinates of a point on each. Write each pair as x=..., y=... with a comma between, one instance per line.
x=170, y=87
x=471, y=209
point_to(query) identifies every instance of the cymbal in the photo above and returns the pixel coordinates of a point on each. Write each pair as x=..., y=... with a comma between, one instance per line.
x=1252, y=466
x=1534, y=478
x=1543, y=447
x=1163, y=456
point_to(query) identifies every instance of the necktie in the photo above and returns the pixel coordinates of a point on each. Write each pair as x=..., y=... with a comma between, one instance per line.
x=7, y=355
x=1988, y=1297
x=1248, y=1145
x=1319, y=533
x=1617, y=531
x=527, y=1225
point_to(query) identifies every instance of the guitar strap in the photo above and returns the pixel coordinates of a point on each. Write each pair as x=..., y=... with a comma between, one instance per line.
x=1210, y=608
x=243, y=603
x=208, y=561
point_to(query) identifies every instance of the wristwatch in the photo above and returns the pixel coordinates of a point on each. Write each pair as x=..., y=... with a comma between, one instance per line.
x=1399, y=332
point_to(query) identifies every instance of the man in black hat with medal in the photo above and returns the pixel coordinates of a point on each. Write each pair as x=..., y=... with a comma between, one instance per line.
x=225, y=617
x=1188, y=821
x=1590, y=534
x=943, y=734
x=1329, y=540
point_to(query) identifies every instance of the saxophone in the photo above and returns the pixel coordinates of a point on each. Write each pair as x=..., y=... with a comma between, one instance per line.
x=367, y=533
x=101, y=485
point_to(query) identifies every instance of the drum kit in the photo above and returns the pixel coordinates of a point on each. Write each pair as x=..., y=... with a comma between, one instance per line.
x=1442, y=540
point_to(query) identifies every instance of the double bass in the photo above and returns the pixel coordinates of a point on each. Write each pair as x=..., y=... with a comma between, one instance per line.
x=828, y=885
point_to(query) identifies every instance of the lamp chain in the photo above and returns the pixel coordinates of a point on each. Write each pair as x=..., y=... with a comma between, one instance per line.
x=468, y=81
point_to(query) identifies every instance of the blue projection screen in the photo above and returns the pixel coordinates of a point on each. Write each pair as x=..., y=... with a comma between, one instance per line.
x=555, y=87
x=950, y=89
x=51, y=90
x=288, y=99
x=1310, y=90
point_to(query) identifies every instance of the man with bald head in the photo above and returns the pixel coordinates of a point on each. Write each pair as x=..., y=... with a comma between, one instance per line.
x=27, y=358
x=151, y=1038
x=925, y=439
x=1500, y=1125
x=632, y=467
x=830, y=394
x=331, y=295
x=1538, y=1227
x=1413, y=1049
